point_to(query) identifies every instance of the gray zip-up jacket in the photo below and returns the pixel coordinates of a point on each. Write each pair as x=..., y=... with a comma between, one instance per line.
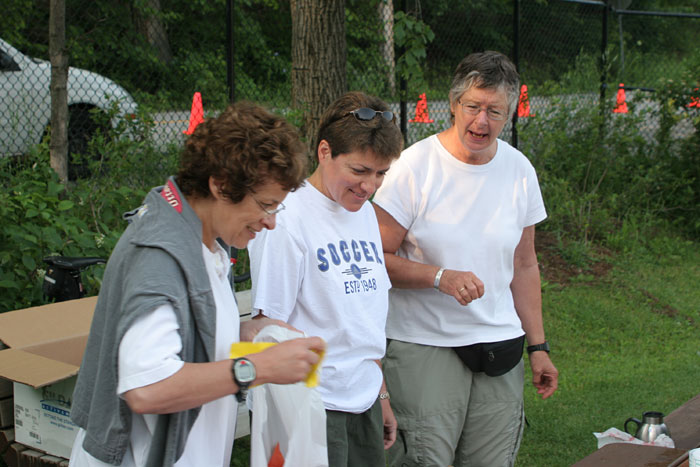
x=157, y=260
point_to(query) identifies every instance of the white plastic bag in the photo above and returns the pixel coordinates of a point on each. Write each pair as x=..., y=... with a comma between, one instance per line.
x=289, y=414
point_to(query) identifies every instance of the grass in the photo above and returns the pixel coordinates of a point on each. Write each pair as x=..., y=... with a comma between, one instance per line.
x=624, y=336
x=624, y=343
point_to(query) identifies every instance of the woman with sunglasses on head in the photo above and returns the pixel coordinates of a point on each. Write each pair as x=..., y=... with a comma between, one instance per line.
x=457, y=215
x=156, y=383
x=322, y=271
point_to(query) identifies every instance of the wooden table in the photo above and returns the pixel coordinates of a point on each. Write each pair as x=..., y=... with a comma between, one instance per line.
x=631, y=455
x=684, y=426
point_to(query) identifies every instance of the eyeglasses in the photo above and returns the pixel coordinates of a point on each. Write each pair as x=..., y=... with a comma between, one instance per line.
x=471, y=108
x=366, y=114
x=269, y=212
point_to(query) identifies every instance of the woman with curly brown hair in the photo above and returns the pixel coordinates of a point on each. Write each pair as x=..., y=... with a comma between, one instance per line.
x=156, y=386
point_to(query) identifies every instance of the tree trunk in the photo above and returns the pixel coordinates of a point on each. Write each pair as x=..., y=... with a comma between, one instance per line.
x=318, y=59
x=58, y=147
x=149, y=24
x=386, y=15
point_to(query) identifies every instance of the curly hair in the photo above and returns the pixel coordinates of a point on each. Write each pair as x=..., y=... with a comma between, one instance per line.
x=245, y=147
x=486, y=70
x=345, y=133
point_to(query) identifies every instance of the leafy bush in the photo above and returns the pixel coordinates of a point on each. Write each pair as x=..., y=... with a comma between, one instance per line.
x=44, y=217
x=40, y=220
x=604, y=173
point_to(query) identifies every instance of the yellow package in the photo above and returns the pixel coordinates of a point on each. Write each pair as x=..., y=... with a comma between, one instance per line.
x=241, y=349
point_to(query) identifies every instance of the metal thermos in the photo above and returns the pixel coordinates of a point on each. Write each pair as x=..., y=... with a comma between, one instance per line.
x=650, y=427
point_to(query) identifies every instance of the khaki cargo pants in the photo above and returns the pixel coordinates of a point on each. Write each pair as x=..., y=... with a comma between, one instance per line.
x=448, y=415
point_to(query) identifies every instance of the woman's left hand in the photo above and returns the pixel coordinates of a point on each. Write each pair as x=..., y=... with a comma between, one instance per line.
x=251, y=327
x=390, y=424
x=545, y=376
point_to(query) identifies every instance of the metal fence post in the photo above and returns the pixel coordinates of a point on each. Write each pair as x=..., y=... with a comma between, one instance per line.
x=516, y=61
x=603, y=58
x=403, y=87
x=230, y=52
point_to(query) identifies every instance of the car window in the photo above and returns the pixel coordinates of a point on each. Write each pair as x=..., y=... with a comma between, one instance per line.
x=7, y=63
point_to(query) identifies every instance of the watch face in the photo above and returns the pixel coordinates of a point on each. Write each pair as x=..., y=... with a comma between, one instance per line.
x=244, y=370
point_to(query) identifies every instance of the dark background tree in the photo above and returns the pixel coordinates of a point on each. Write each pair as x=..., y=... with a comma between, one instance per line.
x=318, y=59
x=59, y=94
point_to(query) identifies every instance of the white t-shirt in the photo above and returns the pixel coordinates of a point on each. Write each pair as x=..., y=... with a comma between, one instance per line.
x=322, y=271
x=148, y=353
x=463, y=217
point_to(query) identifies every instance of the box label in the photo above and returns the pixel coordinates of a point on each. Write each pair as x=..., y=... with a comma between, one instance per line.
x=42, y=417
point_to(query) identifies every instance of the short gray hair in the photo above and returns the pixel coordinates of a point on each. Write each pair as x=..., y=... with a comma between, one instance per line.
x=486, y=70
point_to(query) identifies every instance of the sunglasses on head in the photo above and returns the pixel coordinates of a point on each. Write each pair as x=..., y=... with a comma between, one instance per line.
x=366, y=114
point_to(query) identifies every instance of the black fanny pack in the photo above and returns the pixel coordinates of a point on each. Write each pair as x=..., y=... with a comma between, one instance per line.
x=492, y=358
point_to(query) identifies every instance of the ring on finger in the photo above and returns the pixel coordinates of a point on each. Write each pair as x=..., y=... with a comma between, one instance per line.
x=461, y=289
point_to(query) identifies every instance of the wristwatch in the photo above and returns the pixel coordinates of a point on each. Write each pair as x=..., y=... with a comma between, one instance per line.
x=535, y=348
x=243, y=372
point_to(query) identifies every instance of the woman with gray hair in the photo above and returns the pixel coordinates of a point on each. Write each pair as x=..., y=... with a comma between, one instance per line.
x=457, y=215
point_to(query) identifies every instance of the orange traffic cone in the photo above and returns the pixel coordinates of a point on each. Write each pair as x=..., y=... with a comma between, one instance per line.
x=422, y=111
x=277, y=459
x=694, y=101
x=621, y=106
x=524, y=103
x=196, y=114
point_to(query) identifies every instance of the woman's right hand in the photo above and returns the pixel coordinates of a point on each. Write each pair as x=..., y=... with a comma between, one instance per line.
x=464, y=286
x=287, y=362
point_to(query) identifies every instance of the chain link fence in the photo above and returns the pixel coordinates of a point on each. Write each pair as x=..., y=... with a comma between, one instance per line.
x=155, y=54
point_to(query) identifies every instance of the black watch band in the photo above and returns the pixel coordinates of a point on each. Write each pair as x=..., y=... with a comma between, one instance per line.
x=535, y=348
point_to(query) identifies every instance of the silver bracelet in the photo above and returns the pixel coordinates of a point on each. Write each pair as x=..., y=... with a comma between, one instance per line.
x=436, y=282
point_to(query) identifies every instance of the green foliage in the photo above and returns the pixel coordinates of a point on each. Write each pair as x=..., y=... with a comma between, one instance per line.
x=111, y=38
x=678, y=147
x=412, y=36
x=423, y=130
x=462, y=27
x=13, y=21
x=39, y=221
x=583, y=76
x=367, y=68
x=605, y=343
x=604, y=175
x=44, y=217
x=263, y=53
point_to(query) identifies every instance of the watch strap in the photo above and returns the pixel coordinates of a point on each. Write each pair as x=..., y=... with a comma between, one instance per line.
x=242, y=385
x=534, y=348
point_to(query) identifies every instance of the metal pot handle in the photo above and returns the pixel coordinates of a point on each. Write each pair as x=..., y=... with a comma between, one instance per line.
x=635, y=420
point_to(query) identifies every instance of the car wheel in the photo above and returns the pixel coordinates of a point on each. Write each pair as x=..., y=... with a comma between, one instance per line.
x=82, y=127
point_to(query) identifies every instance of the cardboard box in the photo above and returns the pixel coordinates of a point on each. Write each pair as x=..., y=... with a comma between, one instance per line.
x=45, y=348
x=7, y=408
x=42, y=417
x=5, y=388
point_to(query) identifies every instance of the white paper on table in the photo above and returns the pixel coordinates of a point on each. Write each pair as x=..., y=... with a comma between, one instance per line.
x=613, y=435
